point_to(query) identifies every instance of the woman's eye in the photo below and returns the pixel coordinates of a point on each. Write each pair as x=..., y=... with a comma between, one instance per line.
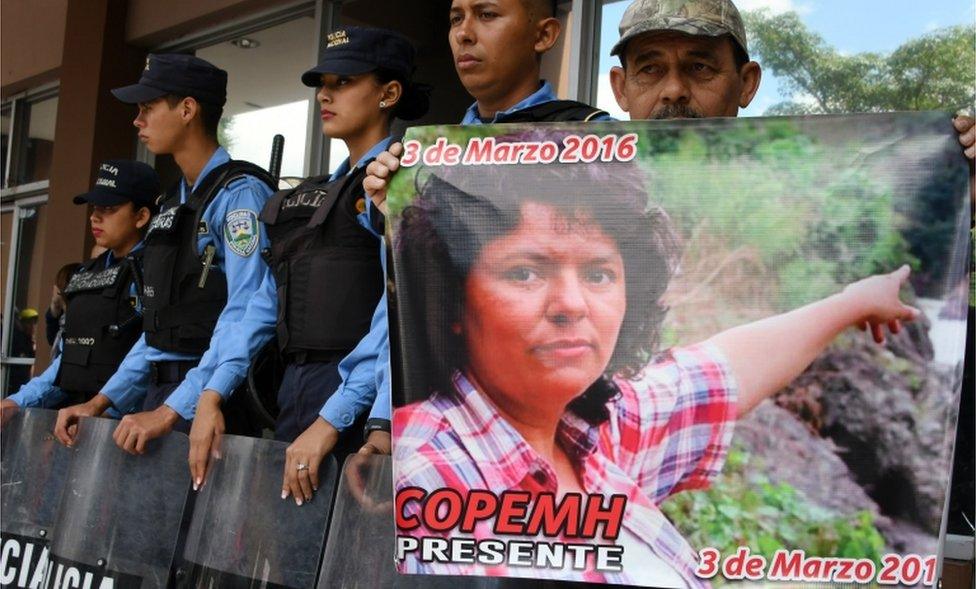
x=521, y=274
x=455, y=19
x=600, y=276
x=487, y=15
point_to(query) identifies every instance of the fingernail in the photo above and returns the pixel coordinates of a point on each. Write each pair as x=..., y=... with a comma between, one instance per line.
x=315, y=488
x=284, y=494
x=298, y=502
x=196, y=486
x=198, y=483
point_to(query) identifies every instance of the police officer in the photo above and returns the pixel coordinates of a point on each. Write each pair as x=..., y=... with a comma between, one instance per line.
x=497, y=51
x=102, y=295
x=202, y=259
x=324, y=299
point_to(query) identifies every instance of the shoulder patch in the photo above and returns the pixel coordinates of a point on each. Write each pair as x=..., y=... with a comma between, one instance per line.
x=241, y=231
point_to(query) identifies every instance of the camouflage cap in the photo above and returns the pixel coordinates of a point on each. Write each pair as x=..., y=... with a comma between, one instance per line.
x=694, y=17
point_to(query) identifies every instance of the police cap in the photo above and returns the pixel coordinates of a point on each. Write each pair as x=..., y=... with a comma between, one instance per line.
x=180, y=75
x=121, y=181
x=357, y=50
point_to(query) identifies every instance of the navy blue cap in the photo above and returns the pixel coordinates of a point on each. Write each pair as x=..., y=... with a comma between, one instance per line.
x=357, y=50
x=121, y=181
x=182, y=75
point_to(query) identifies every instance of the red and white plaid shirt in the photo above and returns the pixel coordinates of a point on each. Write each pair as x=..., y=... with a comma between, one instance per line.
x=669, y=431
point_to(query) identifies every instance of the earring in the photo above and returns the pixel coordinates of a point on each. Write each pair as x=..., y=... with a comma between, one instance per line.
x=382, y=104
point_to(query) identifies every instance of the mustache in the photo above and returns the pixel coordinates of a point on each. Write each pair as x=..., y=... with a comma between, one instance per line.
x=677, y=111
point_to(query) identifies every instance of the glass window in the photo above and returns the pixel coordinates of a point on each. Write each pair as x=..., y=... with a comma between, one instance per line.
x=27, y=289
x=6, y=228
x=5, y=120
x=264, y=94
x=40, y=140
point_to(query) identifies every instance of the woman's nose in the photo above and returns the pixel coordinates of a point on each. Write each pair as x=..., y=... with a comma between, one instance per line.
x=567, y=299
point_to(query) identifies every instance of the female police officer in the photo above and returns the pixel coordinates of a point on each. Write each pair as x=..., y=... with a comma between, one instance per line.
x=327, y=276
x=103, y=319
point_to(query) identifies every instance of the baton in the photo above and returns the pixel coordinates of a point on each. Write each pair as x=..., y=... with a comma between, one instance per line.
x=277, y=147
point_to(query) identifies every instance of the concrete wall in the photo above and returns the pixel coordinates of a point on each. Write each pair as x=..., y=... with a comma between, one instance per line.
x=31, y=42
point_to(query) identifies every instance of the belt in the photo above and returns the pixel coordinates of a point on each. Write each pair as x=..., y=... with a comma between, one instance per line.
x=310, y=356
x=170, y=371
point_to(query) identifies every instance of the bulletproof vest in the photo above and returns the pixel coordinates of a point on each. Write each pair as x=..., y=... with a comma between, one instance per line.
x=552, y=111
x=101, y=323
x=183, y=290
x=326, y=265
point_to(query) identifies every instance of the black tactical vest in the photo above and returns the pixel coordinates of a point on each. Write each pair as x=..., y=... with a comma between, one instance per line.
x=101, y=323
x=326, y=265
x=552, y=111
x=184, y=291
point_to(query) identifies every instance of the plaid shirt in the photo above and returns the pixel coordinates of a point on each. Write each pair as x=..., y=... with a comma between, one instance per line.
x=669, y=430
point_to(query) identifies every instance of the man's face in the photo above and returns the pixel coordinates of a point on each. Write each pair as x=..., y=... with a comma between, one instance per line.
x=672, y=75
x=493, y=42
x=160, y=125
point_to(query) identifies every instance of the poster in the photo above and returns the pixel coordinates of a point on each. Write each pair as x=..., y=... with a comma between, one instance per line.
x=629, y=352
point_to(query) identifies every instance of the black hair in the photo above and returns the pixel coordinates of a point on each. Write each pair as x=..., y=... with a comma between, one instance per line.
x=455, y=215
x=414, y=101
x=209, y=113
x=547, y=8
x=64, y=275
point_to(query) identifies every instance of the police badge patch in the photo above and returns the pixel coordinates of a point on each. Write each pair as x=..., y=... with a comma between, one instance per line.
x=241, y=231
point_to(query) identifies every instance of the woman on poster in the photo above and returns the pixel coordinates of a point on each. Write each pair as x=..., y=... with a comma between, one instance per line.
x=539, y=310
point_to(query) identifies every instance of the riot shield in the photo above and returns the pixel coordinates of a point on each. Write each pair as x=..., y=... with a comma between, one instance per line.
x=33, y=470
x=243, y=534
x=360, y=550
x=120, y=515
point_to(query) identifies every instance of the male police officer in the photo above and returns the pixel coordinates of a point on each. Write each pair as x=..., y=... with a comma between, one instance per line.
x=202, y=258
x=102, y=296
x=498, y=48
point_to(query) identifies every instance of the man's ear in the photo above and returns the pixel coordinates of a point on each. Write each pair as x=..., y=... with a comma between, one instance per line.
x=189, y=108
x=749, y=76
x=546, y=34
x=618, y=81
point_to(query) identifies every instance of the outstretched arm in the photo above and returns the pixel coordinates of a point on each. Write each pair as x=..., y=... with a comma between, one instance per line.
x=766, y=355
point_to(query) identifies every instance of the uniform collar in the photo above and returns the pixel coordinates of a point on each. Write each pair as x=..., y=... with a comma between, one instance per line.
x=540, y=96
x=111, y=260
x=220, y=156
x=374, y=151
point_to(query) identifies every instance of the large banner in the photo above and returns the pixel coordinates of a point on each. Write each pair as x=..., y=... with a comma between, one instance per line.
x=629, y=352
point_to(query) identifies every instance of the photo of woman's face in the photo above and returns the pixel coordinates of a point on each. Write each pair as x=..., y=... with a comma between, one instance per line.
x=543, y=308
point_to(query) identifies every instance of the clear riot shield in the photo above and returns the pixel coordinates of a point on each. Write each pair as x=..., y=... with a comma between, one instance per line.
x=243, y=534
x=33, y=470
x=120, y=515
x=359, y=552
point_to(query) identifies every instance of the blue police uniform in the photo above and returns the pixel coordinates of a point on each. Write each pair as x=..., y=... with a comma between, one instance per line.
x=316, y=383
x=42, y=391
x=130, y=387
x=339, y=392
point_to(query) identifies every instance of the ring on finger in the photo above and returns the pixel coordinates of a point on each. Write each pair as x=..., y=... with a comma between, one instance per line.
x=302, y=466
